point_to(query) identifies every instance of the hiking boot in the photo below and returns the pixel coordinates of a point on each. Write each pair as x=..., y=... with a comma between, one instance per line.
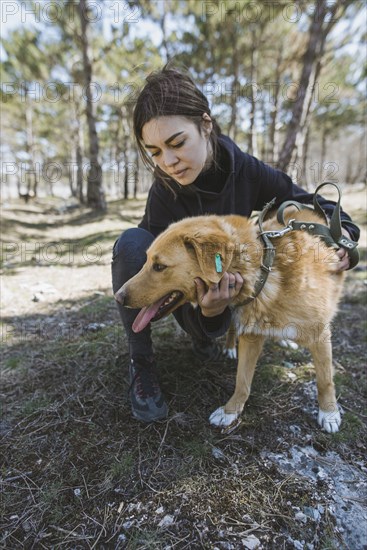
x=147, y=401
x=207, y=351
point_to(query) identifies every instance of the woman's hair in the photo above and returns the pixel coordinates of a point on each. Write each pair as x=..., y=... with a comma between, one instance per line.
x=170, y=92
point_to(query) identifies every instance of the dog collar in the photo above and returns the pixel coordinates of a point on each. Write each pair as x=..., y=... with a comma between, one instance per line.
x=268, y=256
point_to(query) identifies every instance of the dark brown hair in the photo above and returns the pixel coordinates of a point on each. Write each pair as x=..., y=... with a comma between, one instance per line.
x=170, y=92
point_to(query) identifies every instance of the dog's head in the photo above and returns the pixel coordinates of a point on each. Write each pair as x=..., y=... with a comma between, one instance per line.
x=194, y=247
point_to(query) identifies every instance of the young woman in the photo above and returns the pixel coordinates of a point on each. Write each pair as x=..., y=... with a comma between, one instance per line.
x=197, y=170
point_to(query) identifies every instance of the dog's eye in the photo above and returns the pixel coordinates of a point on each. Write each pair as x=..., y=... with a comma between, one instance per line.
x=159, y=267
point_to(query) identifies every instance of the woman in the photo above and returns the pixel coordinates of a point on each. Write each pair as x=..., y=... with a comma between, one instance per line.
x=197, y=171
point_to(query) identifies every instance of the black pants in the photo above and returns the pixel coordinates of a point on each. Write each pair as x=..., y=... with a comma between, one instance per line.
x=129, y=256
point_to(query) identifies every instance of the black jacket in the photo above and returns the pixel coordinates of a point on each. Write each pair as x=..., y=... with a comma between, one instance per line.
x=244, y=185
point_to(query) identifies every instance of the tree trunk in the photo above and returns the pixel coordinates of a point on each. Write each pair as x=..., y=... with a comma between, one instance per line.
x=79, y=173
x=264, y=136
x=273, y=132
x=136, y=175
x=304, y=171
x=126, y=145
x=95, y=195
x=319, y=29
x=252, y=141
x=232, y=130
x=77, y=154
x=353, y=176
x=323, y=149
x=126, y=179
x=162, y=24
x=31, y=189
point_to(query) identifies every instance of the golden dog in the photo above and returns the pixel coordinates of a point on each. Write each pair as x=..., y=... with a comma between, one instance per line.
x=297, y=302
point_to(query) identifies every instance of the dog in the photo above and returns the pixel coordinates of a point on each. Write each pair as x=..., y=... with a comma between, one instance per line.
x=297, y=302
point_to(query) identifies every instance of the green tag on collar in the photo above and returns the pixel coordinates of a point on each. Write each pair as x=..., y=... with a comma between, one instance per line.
x=218, y=263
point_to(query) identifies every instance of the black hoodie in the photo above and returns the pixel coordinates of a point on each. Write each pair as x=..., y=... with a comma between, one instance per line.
x=239, y=183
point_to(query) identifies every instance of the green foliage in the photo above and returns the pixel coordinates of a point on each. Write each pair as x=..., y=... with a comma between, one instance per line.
x=247, y=57
x=123, y=465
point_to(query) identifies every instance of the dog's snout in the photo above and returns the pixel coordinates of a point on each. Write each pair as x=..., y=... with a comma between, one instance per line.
x=120, y=296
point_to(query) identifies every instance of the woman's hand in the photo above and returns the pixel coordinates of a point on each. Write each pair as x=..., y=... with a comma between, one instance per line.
x=343, y=254
x=214, y=300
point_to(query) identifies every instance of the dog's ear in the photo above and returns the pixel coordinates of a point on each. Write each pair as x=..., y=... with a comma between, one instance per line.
x=213, y=252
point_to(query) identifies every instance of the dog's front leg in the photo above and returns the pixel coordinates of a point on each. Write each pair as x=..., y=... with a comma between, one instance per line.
x=329, y=414
x=249, y=349
x=231, y=340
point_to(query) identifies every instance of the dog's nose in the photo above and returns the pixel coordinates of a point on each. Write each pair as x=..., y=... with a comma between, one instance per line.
x=120, y=296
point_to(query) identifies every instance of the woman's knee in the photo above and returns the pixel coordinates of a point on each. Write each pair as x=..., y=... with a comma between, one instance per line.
x=129, y=255
x=132, y=244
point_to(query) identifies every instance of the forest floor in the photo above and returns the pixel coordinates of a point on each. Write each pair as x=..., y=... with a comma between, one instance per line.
x=79, y=472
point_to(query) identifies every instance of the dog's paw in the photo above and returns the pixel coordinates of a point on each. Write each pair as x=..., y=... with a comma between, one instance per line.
x=289, y=344
x=230, y=353
x=222, y=419
x=330, y=421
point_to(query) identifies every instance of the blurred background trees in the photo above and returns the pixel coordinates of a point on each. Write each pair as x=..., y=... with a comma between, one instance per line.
x=284, y=79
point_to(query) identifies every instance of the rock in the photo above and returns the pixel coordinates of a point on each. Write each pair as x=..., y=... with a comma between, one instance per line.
x=217, y=453
x=345, y=487
x=94, y=327
x=166, y=521
x=296, y=430
x=38, y=298
x=251, y=542
x=128, y=524
x=300, y=516
x=312, y=513
x=321, y=474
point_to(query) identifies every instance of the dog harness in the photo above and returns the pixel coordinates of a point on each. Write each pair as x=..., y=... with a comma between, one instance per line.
x=331, y=234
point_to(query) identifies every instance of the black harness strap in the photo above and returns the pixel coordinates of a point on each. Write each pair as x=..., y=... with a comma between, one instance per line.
x=268, y=255
x=331, y=235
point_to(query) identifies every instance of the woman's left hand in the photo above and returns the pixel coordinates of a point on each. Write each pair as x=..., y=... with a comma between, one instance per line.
x=214, y=300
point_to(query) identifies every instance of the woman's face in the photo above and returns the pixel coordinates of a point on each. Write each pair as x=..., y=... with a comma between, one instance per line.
x=177, y=147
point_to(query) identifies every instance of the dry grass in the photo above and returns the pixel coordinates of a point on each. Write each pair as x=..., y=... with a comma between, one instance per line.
x=78, y=472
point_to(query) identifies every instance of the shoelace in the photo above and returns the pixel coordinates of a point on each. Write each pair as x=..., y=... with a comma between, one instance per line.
x=145, y=379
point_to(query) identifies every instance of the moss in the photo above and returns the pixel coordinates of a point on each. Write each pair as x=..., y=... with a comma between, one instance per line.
x=351, y=429
x=12, y=362
x=35, y=405
x=146, y=539
x=123, y=465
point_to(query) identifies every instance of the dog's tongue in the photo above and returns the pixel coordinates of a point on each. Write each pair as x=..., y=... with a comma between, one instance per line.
x=145, y=315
